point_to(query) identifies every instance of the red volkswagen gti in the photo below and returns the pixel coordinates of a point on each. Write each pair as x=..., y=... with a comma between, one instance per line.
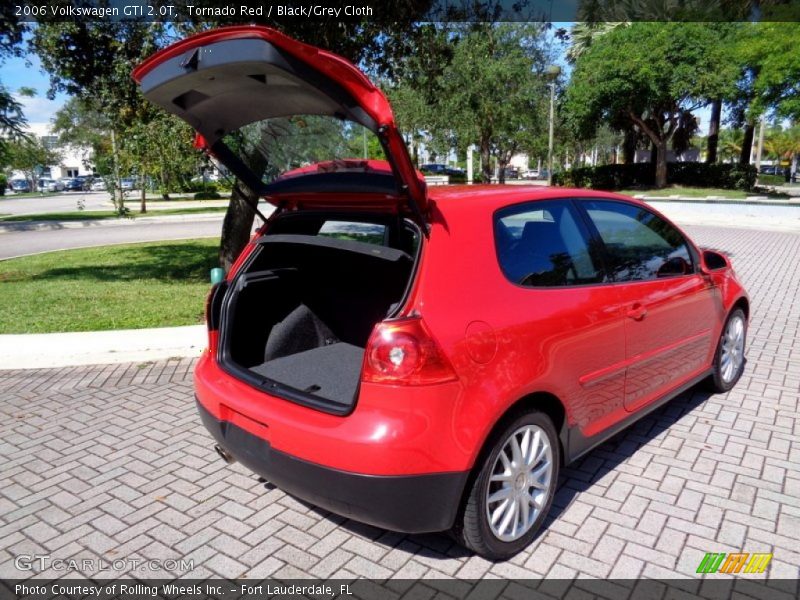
x=425, y=359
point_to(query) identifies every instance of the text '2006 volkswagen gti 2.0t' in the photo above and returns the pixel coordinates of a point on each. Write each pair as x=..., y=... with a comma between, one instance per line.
x=425, y=360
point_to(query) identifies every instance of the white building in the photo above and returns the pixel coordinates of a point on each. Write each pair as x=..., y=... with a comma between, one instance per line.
x=75, y=160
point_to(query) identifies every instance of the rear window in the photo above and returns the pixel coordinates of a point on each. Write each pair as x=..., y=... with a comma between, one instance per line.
x=368, y=233
x=379, y=230
x=280, y=144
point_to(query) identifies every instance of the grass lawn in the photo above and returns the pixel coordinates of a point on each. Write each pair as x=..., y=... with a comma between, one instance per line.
x=95, y=215
x=692, y=192
x=157, y=284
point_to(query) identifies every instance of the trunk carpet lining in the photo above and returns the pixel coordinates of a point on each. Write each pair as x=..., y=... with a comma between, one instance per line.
x=331, y=372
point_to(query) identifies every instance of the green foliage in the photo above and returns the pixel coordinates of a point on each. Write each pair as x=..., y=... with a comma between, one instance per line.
x=28, y=155
x=3, y=184
x=648, y=75
x=692, y=174
x=772, y=53
x=207, y=195
x=771, y=179
x=160, y=147
x=12, y=123
x=480, y=84
x=80, y=122
x=782, y=144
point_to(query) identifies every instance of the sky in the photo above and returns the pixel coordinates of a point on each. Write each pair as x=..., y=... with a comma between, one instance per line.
x=27, y=72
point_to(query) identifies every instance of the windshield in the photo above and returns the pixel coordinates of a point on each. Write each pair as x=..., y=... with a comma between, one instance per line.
x=277, y=145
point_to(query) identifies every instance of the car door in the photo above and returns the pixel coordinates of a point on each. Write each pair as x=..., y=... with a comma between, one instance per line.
x=565, y=319
x=669, y=306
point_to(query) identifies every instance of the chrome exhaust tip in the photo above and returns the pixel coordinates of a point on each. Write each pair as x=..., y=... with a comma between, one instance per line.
x=224, y=454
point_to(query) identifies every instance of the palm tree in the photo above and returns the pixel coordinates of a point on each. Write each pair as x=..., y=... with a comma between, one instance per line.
x=730, y=144
x=584, y=33
x=782, y=144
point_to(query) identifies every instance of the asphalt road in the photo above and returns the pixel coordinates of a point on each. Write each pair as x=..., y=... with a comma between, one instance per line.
x=64, y=202
x=25, y=241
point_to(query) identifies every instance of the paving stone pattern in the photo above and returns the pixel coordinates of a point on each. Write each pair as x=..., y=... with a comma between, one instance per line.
x=111, y=462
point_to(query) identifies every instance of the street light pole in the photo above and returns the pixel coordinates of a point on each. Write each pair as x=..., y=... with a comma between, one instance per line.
x=553, y=71
x=550, y=140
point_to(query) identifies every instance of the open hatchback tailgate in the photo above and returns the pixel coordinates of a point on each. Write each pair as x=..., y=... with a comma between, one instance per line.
x=224, y=79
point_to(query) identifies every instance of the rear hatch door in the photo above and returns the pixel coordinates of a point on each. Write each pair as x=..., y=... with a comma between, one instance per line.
x=226, y=79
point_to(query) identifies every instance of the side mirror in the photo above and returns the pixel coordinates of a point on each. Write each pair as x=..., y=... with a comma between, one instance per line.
x=676, y=265
x=714, y=261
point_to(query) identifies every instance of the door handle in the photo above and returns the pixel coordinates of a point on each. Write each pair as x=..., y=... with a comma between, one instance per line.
x=637, y=312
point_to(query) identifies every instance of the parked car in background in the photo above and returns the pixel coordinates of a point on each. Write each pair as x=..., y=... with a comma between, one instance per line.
x=50, y=185
x=427, y=359
x=86, y=182
x=128, y=184
x=73, y=185
x=511, y=173
x=98, y=185
x=19, y=185
x=440, y=169
x=530, y=174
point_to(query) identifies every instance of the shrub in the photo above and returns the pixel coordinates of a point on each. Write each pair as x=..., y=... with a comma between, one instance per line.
x=3, y=184
x=764, y=179
x=207, y=195
x=199, y=186
x=690, y=174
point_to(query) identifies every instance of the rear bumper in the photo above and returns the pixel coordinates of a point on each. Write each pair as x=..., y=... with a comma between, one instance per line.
x=406, y=503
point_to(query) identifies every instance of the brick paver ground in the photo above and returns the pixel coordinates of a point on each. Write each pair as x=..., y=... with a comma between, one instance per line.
x=111, y=462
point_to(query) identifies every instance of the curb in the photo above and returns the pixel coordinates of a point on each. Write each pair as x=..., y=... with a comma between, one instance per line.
x=749, y=201
x=13, y=227
x=52, y=350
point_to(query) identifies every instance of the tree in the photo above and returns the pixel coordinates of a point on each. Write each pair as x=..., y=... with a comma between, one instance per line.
x=783, y=145
x=773, y=53
x=650, y=75
x=30, y=155
x=92, y=61
x=769, y=69
x=486, y=86
x=12, y=119
x=730, y=144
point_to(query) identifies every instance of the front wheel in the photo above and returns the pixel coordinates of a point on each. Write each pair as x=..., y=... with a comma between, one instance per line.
x=512, y=493
x=729, y=358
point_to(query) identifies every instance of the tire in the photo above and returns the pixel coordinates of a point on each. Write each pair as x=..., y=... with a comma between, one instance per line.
x=510, y=487
x=729, y=358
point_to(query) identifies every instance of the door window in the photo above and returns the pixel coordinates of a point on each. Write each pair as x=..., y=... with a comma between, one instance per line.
x=640, y=245
x=544, y=244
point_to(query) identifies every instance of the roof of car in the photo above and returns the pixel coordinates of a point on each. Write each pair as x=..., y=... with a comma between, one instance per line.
x=451, y=197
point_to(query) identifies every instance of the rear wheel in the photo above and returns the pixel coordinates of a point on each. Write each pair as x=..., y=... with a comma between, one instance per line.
x=511, y=495
x=729, y=358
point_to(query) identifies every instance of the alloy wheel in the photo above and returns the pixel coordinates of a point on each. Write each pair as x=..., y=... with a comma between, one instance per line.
x=732, y=351
x=520, y=482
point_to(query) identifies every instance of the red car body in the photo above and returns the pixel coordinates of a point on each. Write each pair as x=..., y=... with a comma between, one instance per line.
x=592, y=357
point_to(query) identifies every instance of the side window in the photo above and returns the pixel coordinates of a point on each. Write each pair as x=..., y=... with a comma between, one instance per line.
x=640, y=245
x=543, y=244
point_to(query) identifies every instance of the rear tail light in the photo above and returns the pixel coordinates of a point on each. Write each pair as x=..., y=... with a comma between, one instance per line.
x=403, y=352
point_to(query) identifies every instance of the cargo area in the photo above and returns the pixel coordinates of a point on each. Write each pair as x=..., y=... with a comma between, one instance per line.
x=298, y=318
